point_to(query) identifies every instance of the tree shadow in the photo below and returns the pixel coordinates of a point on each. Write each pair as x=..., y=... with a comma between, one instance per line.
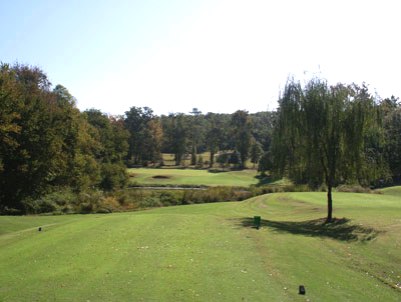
x=264, y=179
x=339, y=229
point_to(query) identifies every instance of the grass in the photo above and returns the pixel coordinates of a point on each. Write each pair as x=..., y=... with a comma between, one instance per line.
x=210, y=252
x=190, y=177
x=396, y=191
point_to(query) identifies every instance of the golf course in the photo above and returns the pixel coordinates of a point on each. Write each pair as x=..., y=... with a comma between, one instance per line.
x=200, y=151
x=210, y=252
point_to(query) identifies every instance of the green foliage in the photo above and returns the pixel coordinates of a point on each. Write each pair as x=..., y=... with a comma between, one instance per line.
x=61, y=200
x=265, y=162
x=112, y=148
x=223, y=158
x=114, y=176
x=36, y=155
x=322, y=134
x=176, y=136
x=391, y=111
x=353, y=189
x=46, y=143
x=215, y=194
x=146, y=198
x=256, y=152
x=196, y=133
x=145, y=135
x=262, y=128
x=215, y=135
x=241, y=131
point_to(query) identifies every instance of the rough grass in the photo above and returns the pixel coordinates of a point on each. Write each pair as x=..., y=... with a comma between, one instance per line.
x=210, y=252
x=190, y=177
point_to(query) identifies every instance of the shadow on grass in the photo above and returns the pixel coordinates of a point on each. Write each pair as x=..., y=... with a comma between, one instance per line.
x=264, y=179
x=339, y=229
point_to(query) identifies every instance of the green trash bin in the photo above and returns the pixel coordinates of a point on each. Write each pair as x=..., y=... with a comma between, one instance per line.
x=256, y=221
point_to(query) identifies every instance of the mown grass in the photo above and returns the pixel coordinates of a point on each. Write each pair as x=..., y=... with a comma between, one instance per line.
x=190, y=177
x=210, y=252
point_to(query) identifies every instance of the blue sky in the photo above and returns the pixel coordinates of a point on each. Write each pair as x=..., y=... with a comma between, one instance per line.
x=215, y=55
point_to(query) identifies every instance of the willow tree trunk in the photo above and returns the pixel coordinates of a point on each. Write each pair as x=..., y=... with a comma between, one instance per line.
x=329, y=204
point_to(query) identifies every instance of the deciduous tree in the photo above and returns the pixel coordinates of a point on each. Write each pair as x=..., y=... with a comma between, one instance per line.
x=320, y=134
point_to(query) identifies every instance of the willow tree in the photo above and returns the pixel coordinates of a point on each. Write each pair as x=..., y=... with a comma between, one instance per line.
x=320, y=134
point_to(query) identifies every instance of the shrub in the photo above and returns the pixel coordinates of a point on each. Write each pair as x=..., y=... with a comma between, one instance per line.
x=10, y=211
x=150, y=202
x=171, y=198
x=52, y=202
x=114, y=176
x=89, y=202
x=353, y=189
x=110, y=203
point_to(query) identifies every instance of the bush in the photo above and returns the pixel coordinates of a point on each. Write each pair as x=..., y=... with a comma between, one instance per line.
x=52, y=202
x=10, y=211
x=215, y=194
x=353, y=189
x=171, y=198
x=150, y=202
x=114, y=176
x=91, y=202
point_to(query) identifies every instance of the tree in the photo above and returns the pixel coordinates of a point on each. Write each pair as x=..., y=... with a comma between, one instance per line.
x=265, y=163
x=320, y=134
x=256, y=152
x=195, y=133
x=241, y=131
x=262, y=127
x=179, y=137
x=154, y=140
x=175, y=135
x=137, y=123
x=38, y=138
x=391, y=109
x=112, y=140
x=9, y=111
x=214, y=134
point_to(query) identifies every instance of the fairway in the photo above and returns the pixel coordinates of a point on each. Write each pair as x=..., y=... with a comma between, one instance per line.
x=209, y=252
x=190, y=177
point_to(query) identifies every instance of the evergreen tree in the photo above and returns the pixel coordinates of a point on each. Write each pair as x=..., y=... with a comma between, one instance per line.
x=241, y=131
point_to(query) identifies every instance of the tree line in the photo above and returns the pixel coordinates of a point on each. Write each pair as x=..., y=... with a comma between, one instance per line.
x=230, y=139
x=48, y=144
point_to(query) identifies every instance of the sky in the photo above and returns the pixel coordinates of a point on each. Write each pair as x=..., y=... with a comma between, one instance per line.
x=215, y=55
